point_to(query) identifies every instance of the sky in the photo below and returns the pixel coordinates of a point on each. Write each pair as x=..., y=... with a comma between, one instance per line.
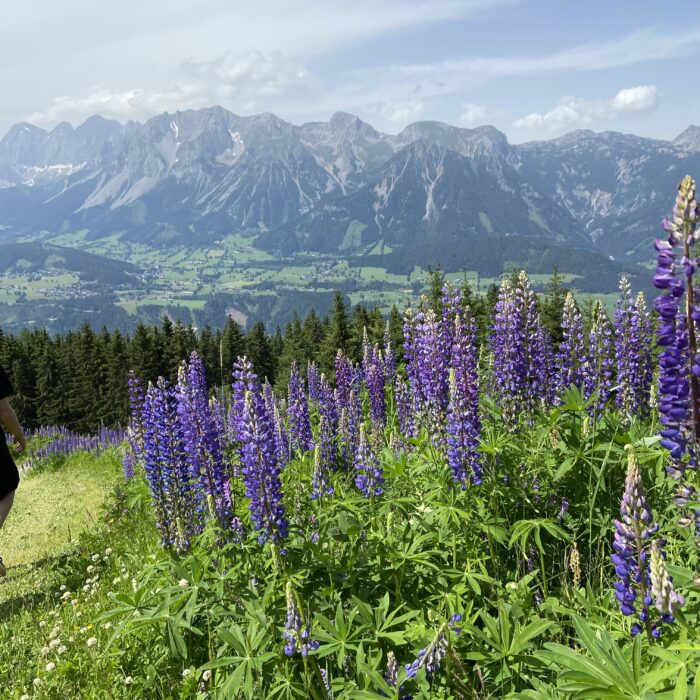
x=535, y=69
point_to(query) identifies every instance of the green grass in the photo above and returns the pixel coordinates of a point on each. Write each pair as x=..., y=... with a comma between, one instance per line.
x=52, y=508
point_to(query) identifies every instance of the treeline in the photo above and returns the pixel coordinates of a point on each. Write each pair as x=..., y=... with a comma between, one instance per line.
x=79, y=379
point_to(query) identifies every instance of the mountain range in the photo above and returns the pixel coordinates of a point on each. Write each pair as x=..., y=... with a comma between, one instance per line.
x=340, y=186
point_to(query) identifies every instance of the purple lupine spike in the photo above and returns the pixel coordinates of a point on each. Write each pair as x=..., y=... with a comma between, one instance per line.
x=508, y=349
x=644, y=337
x=244, y=380
x=344, y=378
x=451, y=305
x=598, y=369
x=368, y=472
x=429, y=372
x=260, y=471
x=153, y=466
x=375, y=378
x=296, y=633
x=348, y=409
x=630, y=557
x=137, y=396
x=324, y=461
x=463, y=422
x=298, y=412
x=544, y=376
x=366, y=349
x=632, y=331
x=538, y=376
x=218, y=411
x=389, y=354
x=201, y=439
x=404, y=407
x=268, y=396
x=571, y=358
x=313, y=380
x=410, y=355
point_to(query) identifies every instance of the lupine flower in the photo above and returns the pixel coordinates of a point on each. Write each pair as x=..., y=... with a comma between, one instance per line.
x=463, y=422
x=298, y=412
x=260, y=471
x=389, y=354
x=313, y=381
x=544, y=384
x=571, y=356
x=666, y=599
x=392, y=668
x=296, y=632
x=431, y=657
x=508, y=348
x=633, y=336
x=200, y=437
x=598, y=368
x=244, y=380
x=404, y=407
x=368, y=472
x=375, y=377
x=631, y=551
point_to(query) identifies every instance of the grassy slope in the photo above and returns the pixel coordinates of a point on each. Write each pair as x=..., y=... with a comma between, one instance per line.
x=78, y=543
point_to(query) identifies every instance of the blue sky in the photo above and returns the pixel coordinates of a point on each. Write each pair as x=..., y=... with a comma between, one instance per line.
x=532, y=68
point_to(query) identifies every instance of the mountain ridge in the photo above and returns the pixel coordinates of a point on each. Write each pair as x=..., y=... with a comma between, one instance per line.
x=336, y=186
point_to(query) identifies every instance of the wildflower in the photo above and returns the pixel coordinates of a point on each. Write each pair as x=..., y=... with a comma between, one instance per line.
x=50, y=666
x=368, y=472
x=571, y=358
x=575, y=565
x=463, y=422
x=108, y=552
x=298, y=411
x=92, y=641
x=128, y=680
x=183, y=582
x=62, y=649
x=666, y=599
x=95, y=558
x=598, y=367
x=206, y=676
x=186, y=672
x=45, y=651
x=37, y=682
x=42, y=624
x=296, y=632
x=261, y=472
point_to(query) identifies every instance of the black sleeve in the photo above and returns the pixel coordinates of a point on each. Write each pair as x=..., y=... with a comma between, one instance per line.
x=5, y=385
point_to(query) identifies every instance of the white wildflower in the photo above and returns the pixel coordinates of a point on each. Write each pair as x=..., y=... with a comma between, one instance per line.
x=50, y=666
x=63, y=587
x=186, y=673
x=54, y=643
x=44, y=651
x=42, y=624
x=37, y=682
x=92, y=641
x=96, y=557
x=62, y=649
x=90, y=569
x=128, y=680
x=206, y=676
x=183, y=582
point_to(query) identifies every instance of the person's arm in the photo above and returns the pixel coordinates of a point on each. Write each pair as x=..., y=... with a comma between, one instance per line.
x=8, y=418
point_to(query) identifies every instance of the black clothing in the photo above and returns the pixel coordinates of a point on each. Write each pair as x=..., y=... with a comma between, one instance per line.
x=9, y=475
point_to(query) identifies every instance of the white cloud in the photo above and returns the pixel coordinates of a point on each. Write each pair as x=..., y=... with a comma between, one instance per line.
x=247, y=80
x=402, y=112
x=576, y=112
x=473, y=114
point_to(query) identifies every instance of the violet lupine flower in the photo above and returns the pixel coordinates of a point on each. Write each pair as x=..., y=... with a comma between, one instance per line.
x=298, y=412
x=348, y=409
x=201, y=439
x=404, y=407
x=666, y=599
x=128, y=464
x=429, y=371
x=633, y=354
x=323, y=462
x=571, y=356
x=244, y=380
x=368, y=472
x=679, y=390
x=166, y=470
x=598, y=369
x=389, y=354
x=282, y=441
x=375, y=378
x=463, y=422
x=508, y=349
x=137, y=396
x=260, y=471
x=432, y=656
x=296, y=632
x=544, y=377
x=313, y=381
x=410, y=356
x=632, y=533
